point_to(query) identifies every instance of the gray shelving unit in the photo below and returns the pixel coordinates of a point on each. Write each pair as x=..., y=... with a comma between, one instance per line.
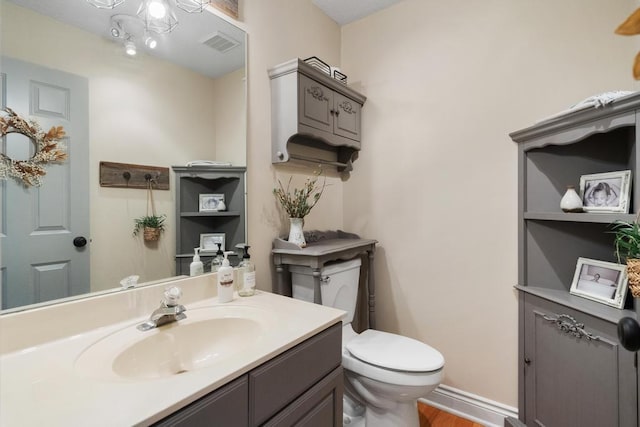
x=572, y=369
x=191, y=223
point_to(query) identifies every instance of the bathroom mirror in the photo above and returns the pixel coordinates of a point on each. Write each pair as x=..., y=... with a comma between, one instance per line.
x=184, y=100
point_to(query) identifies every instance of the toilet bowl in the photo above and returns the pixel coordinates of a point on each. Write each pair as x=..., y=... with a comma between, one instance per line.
x=385, y=373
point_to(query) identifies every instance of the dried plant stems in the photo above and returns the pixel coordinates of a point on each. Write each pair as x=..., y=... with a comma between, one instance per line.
x=300, y=203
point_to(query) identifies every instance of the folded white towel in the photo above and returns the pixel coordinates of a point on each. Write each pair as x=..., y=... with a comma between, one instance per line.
x=596, y=101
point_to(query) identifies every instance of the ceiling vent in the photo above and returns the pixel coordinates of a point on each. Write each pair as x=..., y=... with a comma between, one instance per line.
x=221, y=42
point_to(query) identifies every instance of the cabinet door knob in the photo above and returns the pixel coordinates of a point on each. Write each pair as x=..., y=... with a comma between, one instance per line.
x=629, y=333
x=527, y=361
x=332, y=112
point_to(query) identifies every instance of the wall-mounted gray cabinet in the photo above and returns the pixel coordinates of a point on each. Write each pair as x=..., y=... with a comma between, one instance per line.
x=193, y=181
x=567, y=379
x=314, y=118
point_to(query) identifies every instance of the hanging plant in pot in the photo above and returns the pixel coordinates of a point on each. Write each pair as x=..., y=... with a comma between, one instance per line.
x=298, y=204
x=151, y=226
x=627, y=245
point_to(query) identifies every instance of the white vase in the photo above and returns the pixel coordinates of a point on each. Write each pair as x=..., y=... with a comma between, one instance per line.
x=571, y=201
x=296, y=235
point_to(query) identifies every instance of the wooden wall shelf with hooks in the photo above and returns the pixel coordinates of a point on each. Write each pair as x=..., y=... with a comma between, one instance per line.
x=125, y=175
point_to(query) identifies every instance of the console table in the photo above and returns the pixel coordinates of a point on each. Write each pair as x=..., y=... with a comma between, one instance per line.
x=321, y=248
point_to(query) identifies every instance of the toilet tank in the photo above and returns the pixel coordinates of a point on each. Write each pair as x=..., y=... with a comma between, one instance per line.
x=338, y=285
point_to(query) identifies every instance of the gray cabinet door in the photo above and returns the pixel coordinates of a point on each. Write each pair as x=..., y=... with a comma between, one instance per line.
x=570, y=379
x=315, y=104
x=320, y=406
x=346, y=117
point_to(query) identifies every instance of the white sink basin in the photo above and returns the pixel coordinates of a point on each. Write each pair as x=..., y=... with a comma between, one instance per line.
x=207, y=336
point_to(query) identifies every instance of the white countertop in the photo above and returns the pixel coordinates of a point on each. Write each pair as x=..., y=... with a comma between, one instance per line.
x=39, y=385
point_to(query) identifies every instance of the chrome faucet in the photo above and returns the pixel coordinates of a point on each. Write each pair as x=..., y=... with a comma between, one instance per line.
x=168, y=312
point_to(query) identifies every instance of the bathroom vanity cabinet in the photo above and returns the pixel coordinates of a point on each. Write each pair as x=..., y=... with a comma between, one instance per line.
x=314, y=118
x=191, y=222
x=301, y=387
x=572, y=368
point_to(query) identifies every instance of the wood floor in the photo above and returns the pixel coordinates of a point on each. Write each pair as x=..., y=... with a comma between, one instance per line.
x=434, y=417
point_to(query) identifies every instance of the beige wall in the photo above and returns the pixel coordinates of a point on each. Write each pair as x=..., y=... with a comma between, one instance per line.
x=280, y=30
x=142, y=111
x=436, y=180
x=230, y=116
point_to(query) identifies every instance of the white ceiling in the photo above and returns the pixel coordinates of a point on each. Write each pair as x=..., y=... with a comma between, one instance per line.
x=182, y=46
x=345, y=11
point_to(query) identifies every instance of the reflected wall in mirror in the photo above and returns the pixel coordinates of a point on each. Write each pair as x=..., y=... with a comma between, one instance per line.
x=60, y=66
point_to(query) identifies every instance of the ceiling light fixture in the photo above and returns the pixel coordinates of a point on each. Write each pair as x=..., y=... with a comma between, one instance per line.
x=130, y=48
x=192, y=6
x=105, y=4
x=157, y=16
x=150, y=42
x=157, y=9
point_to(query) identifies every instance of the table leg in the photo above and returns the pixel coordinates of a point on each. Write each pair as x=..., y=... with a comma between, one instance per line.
x=317, y=293
x=280, y=287
x=372, y=290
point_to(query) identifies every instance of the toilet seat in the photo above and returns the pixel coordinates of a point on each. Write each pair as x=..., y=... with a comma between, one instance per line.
x=391, y=351
x=382, y=348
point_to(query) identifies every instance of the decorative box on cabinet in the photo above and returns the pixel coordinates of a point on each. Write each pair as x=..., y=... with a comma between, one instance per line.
x=600, y=373
x=301, y=387
x=314, y=118
x=190, y=222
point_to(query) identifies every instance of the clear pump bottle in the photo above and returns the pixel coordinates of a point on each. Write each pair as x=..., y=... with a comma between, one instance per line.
x=216, y=262
x=246, y=275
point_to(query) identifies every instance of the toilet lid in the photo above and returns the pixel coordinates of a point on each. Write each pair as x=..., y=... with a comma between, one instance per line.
x=393, y=351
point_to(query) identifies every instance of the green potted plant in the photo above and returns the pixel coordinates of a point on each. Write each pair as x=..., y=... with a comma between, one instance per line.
x=627, y=245
x=298, y=204
x=151, y=225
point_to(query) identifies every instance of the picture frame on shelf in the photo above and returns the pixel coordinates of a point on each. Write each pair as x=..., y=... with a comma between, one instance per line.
x=606, y=192
x=601, y=281
x=209, y=241
x=210, y=202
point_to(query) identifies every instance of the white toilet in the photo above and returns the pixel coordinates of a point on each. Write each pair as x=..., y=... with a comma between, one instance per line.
x=385, y=374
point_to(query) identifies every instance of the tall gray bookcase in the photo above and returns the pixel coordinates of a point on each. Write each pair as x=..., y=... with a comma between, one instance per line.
x=193, y=181
x=572, y=369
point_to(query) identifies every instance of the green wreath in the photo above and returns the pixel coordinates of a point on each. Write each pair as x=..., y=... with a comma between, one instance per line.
x=49, y=149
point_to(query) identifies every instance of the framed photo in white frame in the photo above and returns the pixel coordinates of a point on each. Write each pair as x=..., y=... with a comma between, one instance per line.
x=606, y=192
x=601, y=281
x=209, y=241
x=210, y=202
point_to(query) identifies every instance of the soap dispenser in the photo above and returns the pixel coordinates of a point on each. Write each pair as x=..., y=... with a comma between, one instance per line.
x=246, y=275
x=196, y=267
x=225, y=280
x=216, y=262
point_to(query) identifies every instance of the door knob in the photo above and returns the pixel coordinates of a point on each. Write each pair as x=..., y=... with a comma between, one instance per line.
x=79, y=242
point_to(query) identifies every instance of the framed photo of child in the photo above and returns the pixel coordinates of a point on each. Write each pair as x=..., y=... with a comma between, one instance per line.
x=606, y=192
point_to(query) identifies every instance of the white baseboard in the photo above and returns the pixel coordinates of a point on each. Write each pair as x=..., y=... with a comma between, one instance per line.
x=470, y=406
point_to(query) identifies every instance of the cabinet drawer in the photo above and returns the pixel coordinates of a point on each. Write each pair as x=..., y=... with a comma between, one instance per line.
x=227, y=406
x=320, y=406
x=276, y=384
